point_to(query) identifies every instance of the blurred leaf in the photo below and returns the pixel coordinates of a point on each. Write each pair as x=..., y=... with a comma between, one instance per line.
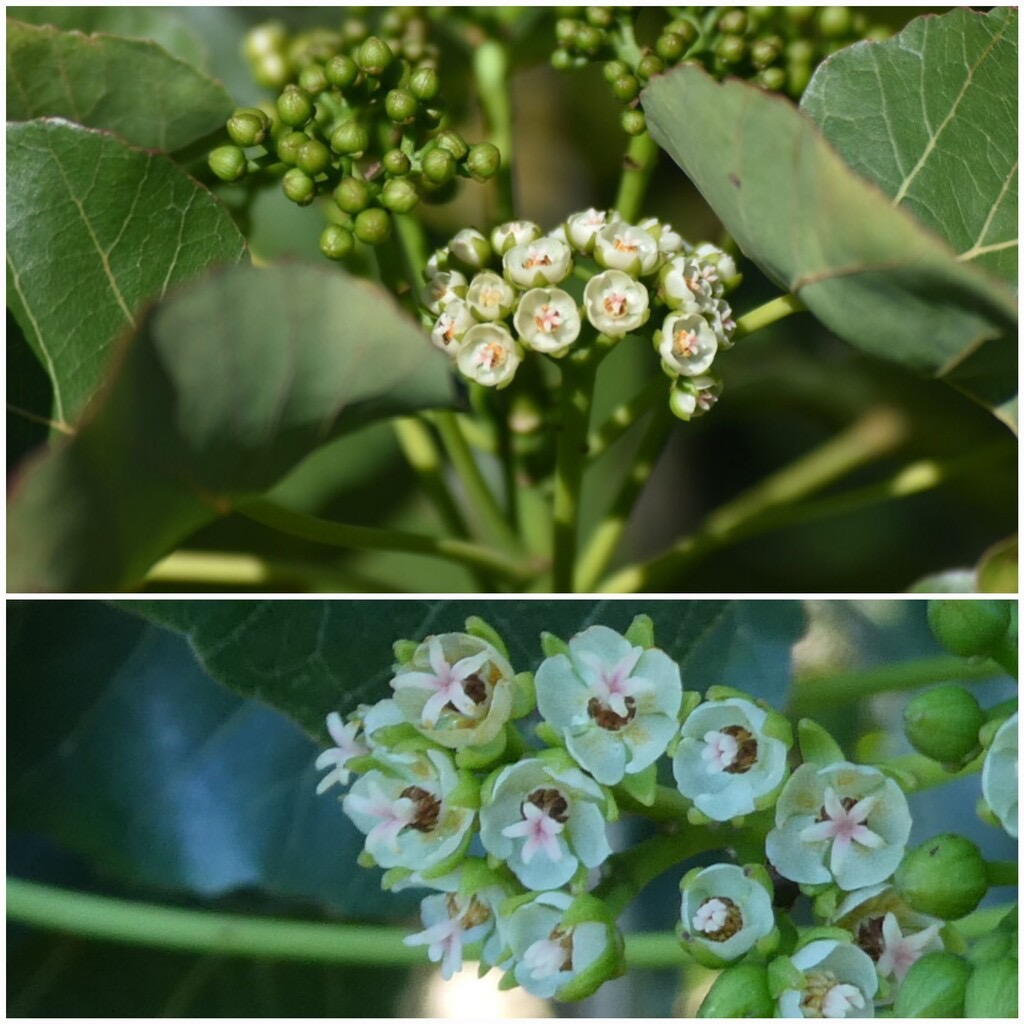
x=307, y=658
x=128, y=86
x=29, y=396
x=165, y=26
x=229, y=384
x=94, y=230
x=159, y=777
x=997, y=570
x=867, y=270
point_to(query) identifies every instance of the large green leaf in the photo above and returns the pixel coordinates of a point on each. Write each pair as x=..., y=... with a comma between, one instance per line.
x=129, y=86
x=930, y=116
x=95, y=229
x=159, y=777
x=868, y=270
x=228, y=385
x=307, y=658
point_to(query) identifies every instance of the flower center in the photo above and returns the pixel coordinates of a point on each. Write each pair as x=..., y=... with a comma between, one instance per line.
x=548, y=319
x=551, y=802
x=448, y=331
x=848, y=803
x=550, y=956
x=684, y=343
x=491, y=355
x=718, y=918
x=623, y=245
x=746, y=750
x=490, y=296
x=826, y=997
x=536, y=259
x=870, y=938
x=606, y=718
x=616, y=304
x=471, y=914
x=706, y=399
x=427, y=808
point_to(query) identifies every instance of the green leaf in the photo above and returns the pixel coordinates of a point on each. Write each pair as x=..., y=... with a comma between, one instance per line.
x=158, y=777
x=227, y=386
x=930, y=116
x=128, y=86
x=307, y=658
x=869, y=271
x=94, y=230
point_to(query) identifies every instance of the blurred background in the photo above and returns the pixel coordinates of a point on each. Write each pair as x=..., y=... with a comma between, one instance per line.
x=134, y=771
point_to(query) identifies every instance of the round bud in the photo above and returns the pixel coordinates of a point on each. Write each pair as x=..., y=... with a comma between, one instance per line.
x=336, y=242
x=373, y=226
x=352, y=195
x=969, y=628
x=248, y=127
x=294, y=106
x=374, y=56
x=396, y=163
x=562, y=60
x=439, y=166
x=740, y=991
x=313, y=157
x=649, y=66
x=350, y=137
x=298, y=186
x=733, y=22
x=400, y=105
x=731, y=49
x=800, y=15
x=399, y=195
x=272, y=71
x=600, y=17
x=943, y=724
x=425, y=84
x=626, y=88
x=686, y=30
x=614, y=69
x=992, y=990
x=797, y=78
x=483, y=161
x=228, y=163
x=800, y=51
x=288, y=146
x=772, y=79
x=634, y=122
x=945, y=877
x=269, y=37
x=934, y=987
x=354, y=30
x=454, y=143
x=670, y=47
x=765, y=51
x=341, y=71
x=313, y=79
x=589, y=39
x=565, y=31
x=834, y=22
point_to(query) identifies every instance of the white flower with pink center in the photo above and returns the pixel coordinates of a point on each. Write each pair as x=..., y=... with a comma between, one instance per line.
x=843, y=825
x=346, y=748
x=900, y=952
x=489, y=355
x=686, y=344
x=540, y=831
x=615, y=304
x=581, y=228
x=839, y=980
x=547, y=320
x=627, y=248
x=442, y=289
x=445, y=683
x=392, y=814
x=538, y=264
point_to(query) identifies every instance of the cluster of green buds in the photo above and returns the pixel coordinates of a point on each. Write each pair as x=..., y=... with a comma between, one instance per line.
x=595, y=274
x=493, y=790
x=358, y=117
x=776, y=47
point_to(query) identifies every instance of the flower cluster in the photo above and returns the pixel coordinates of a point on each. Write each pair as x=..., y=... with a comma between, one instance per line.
x=507, y=826
x=490, y=300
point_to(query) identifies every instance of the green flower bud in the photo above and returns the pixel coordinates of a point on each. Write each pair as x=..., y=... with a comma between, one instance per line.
x=352, y=195
x=565, y=31
x=969, y=628
x=626, y=88
x=298, y=186
x=396, y=163
x=288, y=146
x=797, y=78
x=801, y=51
x=374, y=56
x=399, y=196
x=943, y=724
x=439, y=166
x=341, y=71
x=600, y=17
x=834, y=22
x=294, y=106
x=425, y=84
x=228, y=163
x=740, y=991
x=453, y=143
x=589, y=39
x=670, y=47
x=270, y=37
x=483, y=161
x=615, y=69
x=634, y=122
x=272, y=71
x=649, y=66
x=765, y=51
x=336, y=242
x=992, y=990
x=934, y=987
x=313, y=157
x=800, y=15
x=313, y=79
x=945, y=877
x=772, y=79
x=248, y=127
x=686, y=30
x=350, y=137
x=562, y=60
x=733, y=22
x=731, y=49
x=373, y=226
x=400, y=105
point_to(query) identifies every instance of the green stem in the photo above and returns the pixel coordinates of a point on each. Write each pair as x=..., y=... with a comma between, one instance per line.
x=605, y=541
x=624, y=416
x=411, y=243
x=811, y=693
x=490, y=67
x=1005, y=655
x=875, y=434
x=1002, y=872
x=637, y=167
x=926, y=773
x=322, y=531
x=202, y=931
x=769, y=313
x=982, y=922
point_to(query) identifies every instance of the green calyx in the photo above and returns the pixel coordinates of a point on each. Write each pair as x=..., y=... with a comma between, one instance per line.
x=739, y=991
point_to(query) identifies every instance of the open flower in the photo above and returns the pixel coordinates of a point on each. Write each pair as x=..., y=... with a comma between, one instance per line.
x=514, y=232
x=538, y=264
x=844, y=822
x=544, y=819
x=726, y=762
x=490, y=296
x=615, y=704
x=999, y=775
x=442, y=289
x=687, y=344
x=456, y=690
x=581, y=228
x=684, y=288
x=726, y=910
x=839, y=980
x=346, y=747
x=691, y=397
x=451, y=326
x=615, y=303
x=470, y=248
x=489, y=355
x=547, y=320
x=627, y=248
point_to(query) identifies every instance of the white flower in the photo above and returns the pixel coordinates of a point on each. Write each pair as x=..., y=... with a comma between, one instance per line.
x=451, y=326
x=543, y=262
x=624, y=247
x=515, y=232
x=489, y=355
x=436, y=264
x=445, y=683
x=722, y=323
x=900, y=952
x=391, y=815
x=547, y=320
x=452, y=920
x=540, y=831
x=999, y=775
x=669, y=241
x=347, y=747
x=470, y=248
x=490, y=297
x=442, y=289
x=615, y=303
x=838, y=978
x=684, y=287
x=723, y=266
x=688, y=345
x=581, y=228
x=691, y=397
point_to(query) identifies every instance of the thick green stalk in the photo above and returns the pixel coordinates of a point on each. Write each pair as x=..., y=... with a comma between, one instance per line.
x=1002, y=872
x=322, y=531
x=491, y=67
x=625, y=416
x=762, y=316
x=926, y=773
x=637, y=167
